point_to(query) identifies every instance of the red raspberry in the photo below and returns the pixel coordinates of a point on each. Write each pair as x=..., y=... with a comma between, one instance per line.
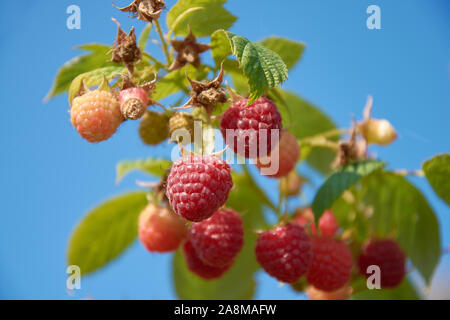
x=331, y=264
x=198, y=185
x=198, y=267
x=328, y=224
x=218, y=239
x=96, y=115
x=160, y=230
x=388, y=256
x=246, y=123
x=284, y=252
x=284, y=157
x=340, y=294
x=133, y=102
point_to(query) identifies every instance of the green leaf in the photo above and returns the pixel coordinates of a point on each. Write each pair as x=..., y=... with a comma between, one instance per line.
x=220, y=46
x=144, y=36
x=290, y=51
x=340, y=181
x=238, y=282
x=405, y=291
x=437, y=171
x=203, y=16
x=263, y=68
x=97, y=58
x=105, y=232
x=305, y=120
x=400, y=210
x=155, y=167
x=93, y=78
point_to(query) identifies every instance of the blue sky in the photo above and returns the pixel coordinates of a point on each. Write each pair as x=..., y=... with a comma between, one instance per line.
x=50, y=177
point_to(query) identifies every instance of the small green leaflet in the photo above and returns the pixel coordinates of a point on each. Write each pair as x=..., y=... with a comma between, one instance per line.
x=155, y=167
x=105, y=232
x=97, y=58
x=437, y=172
x=263, y=68
x=340, y=181
x=203, y=16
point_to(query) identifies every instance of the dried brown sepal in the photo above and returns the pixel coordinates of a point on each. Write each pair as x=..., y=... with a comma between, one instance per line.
x=125, y=49
x=145, y=10
x=352, y=150
x=206, y=94
x=188, y=51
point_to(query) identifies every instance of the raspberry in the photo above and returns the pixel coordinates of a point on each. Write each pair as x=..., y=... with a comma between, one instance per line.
x=328, y=224
x=198, y=267
x=283, y=157
x=153, y=128
x=133, y=102
x=218, y=239
x=246, y=123
x=331, y=264
x=378, y=131
x=96, y=115
x=340, y=294
x=291, y=184
x=181, y=120
x=388, y=256
x=284, y=252
x=198, y=185
x=160, y=230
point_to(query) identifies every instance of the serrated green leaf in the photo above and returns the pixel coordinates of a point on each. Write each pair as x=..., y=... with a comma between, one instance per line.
x=305, y=120
x=340, y=181
x=70, y=70
x=203, y=16
x=93, y=78
x=105, y=232
x=400, y=210
x=290, y=51
x=263, y=68
x=143, y=37
x=155, y=167
x=405, y=291
x=437, y=172
x=238, y=282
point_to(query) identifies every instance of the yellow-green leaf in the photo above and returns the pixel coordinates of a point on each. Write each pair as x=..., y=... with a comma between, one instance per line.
x=290, y=51
x=155, y=167
x=437, y=172
x=105, y=232
x=97, y=58
x=203, y=16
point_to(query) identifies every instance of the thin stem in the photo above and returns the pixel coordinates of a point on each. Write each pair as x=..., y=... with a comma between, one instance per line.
x=405, y=172
x=164, y=43
x=156, y=61
x=321, y=142
x=261, y=193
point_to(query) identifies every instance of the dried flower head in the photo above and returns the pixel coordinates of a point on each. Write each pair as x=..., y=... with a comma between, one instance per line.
x=125, y=49
x=145, y=10
x=206, y=94
x=188, y=51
